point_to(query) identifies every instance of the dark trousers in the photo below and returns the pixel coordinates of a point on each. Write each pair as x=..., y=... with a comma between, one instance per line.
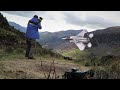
x=30, y=49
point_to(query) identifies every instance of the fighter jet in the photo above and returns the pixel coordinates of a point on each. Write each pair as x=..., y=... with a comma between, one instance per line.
x=81, y=40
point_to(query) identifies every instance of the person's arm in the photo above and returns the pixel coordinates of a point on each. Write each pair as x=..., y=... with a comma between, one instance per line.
x=36, y=24
x=33, y=22
x=39, y=26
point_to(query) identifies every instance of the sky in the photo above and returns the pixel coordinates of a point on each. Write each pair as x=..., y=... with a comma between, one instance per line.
x=54, y=21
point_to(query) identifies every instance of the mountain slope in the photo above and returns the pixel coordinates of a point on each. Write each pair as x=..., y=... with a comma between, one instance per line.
x=9, y=36
x=108, y=35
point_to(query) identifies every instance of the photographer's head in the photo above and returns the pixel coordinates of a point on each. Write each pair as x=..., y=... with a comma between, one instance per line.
x=35, y=16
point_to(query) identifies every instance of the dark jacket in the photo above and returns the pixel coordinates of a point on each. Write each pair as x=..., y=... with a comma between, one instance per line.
x=32, y=28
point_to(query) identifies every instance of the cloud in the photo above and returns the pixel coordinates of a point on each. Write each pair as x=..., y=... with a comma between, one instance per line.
x=63, y=20
x=73, y=19
x=90, y=21
x=26, y=13
x=99, y=22
x=48, y=15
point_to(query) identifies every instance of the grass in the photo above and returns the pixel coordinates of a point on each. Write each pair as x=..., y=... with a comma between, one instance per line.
x=9, y=55
x=83, y=60
x=76, y=54
x=16, y=66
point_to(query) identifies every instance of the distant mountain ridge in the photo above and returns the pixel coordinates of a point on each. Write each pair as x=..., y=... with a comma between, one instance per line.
x=17, y=26
x=53, y=40
x=109, y=36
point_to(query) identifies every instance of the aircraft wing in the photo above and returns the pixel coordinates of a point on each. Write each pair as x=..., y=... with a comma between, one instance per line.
x=81, y=46
x=82, y=33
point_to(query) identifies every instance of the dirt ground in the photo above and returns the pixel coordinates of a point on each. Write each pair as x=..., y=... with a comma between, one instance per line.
x=35, y=69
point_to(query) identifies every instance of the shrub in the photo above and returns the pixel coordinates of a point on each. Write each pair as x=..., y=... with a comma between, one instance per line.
x=19, y=50
x=9, y=50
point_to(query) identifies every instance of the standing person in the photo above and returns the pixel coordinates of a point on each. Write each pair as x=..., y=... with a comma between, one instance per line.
x=31, y=35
